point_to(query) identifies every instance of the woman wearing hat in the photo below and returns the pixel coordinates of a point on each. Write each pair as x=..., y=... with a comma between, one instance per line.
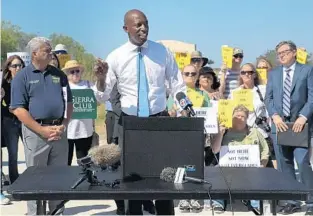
x=197, y=60
x=80, y=131
x=209, y=83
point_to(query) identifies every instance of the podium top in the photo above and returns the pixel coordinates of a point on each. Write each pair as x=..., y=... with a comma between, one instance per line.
x=163, y=123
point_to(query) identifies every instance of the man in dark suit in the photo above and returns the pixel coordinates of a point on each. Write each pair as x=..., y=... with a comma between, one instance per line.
x=289, y=98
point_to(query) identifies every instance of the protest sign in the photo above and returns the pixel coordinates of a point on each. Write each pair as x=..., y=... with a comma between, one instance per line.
x=225, y=112
x=182, y=59
x=63, y=58
x=227, y=55
x=195, y=97
x=302, y=56
x=24, y=56
x=243, y=97
x=210, y=118
x=84, y=104
x=262, y=73
x=240, y=156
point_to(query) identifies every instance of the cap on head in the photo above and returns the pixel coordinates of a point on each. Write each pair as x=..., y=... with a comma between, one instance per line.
x=60, y=47
x=237, y=51
x=198, y=54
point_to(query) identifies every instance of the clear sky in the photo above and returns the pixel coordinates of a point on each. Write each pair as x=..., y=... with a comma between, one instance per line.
x=254, y=25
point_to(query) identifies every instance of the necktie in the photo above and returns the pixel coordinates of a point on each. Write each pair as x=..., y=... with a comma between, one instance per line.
x=142, y=103
x=286, y=94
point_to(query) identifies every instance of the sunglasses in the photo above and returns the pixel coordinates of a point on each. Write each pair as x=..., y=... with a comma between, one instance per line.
x=74, y=71
x=16, y=65
x=262, y=67
x=60, y=52
x=192, y=74
x=238, y=56
x=246, y=72
x=196, y=60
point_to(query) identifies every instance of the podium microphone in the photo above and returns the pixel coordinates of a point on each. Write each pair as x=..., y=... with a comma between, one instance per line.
x=185, y=103
x=170, y=174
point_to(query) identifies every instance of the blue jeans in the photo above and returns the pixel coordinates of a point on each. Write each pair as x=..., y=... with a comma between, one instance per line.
x=12, y=132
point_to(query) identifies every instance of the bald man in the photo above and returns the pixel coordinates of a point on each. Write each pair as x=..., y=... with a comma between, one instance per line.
x=140, y=68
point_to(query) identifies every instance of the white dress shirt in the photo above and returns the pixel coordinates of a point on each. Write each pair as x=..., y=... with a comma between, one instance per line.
x=83, y=128
x=160, y=67
x=291, y=73
x=259, y=108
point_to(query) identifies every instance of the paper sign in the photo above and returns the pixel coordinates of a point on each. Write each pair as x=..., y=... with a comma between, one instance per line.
x=227, y=55
x=210, y=118
x=225, y=113
x=243, y=97
x=24, y=56
x=240, y=156
x=262, y=76
x=195, y=97
x=63, y=58
x=182, y=59
x=302, y=56
x=84, y=104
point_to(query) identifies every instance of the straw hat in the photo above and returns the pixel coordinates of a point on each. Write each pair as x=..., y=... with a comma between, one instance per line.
x=198, y=54
x=72, y=64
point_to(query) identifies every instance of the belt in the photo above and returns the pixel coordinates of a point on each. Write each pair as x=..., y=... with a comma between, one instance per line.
x=50, y=121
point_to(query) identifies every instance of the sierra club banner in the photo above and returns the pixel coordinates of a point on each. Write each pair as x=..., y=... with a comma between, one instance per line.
x=84, y=104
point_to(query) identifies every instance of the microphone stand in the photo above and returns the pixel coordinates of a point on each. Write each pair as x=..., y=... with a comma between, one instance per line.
x=88, y=175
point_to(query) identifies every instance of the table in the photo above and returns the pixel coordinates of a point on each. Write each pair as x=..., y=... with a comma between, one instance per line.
x=54, y=183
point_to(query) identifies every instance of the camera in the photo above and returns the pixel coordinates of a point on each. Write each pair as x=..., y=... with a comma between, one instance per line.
x=262, y=122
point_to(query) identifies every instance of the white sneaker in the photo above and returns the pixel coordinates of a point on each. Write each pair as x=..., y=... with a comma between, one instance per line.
x=184, y=205
x=4, y=200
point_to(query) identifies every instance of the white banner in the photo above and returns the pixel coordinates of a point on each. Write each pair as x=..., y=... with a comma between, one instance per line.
x=210, y=118
x=240, y=156
x=24, y=56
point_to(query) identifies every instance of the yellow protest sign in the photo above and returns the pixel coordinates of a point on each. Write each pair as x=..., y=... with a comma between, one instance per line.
x=243, y=97
x=227, y=55
x=182, y=59
x=195, y=97
x=262, y=76
x=302, y=56
x=63, y=58
x=225, y=112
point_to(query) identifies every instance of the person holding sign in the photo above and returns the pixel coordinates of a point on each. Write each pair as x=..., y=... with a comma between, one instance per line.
x=80, y=129
x=240, y=134
x=263, y=67
x=258, y=117
x=229, y=76
x=289, y=98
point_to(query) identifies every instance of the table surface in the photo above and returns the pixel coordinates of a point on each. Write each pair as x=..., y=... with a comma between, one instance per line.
x=54, y=183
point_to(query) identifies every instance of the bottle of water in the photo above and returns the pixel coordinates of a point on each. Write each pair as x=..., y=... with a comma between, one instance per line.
x=266, y=207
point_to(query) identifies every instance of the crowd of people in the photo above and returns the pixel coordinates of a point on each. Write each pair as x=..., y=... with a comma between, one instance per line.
x=36, y=106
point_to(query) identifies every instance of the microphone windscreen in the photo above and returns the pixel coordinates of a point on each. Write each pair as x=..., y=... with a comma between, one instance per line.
x=105, y=154
x=180, y=95
x=168, y=174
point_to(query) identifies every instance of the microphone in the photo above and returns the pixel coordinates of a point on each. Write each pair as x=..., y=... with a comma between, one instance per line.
x=168, y=174
x=185, y=103
x=101, y=155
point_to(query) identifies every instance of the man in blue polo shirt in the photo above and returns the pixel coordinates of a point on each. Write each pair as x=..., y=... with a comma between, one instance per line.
x=42, y=100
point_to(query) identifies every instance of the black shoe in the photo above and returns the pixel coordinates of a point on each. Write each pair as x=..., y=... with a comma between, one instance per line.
x=120, y=211
x=149, y=207
x=289, y=209
x=309, y=211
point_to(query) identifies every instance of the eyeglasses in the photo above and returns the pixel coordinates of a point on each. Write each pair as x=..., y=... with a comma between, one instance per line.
x=206, y=77
x=192, y=74
x=246, y=72
x=238, y=56
x=74, y=71
x=16, y=65
x=60, y=52
x=265, y=67
x=194, y=60
x=283, y=53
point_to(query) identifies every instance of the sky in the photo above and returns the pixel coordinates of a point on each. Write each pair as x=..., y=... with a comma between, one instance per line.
x=253, y=25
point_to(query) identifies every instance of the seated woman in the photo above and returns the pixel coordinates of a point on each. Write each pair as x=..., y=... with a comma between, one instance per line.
x=240, y=134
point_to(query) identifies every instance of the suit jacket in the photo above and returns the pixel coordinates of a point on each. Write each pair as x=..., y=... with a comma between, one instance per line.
x=301, y=92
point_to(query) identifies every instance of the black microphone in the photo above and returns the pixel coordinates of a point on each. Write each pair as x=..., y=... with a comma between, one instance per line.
x=185, y=103
x=168, y=174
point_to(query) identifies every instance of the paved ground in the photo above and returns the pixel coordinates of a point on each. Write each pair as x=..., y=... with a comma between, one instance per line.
x=94, y=207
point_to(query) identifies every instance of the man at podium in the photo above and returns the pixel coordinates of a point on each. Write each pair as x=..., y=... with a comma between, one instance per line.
x=140, y=68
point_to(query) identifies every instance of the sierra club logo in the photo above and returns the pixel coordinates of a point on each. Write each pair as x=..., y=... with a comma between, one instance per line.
x=84, y=104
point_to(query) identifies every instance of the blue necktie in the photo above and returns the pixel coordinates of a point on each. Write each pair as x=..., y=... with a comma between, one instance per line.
x=143, y=103
x=286, y=94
